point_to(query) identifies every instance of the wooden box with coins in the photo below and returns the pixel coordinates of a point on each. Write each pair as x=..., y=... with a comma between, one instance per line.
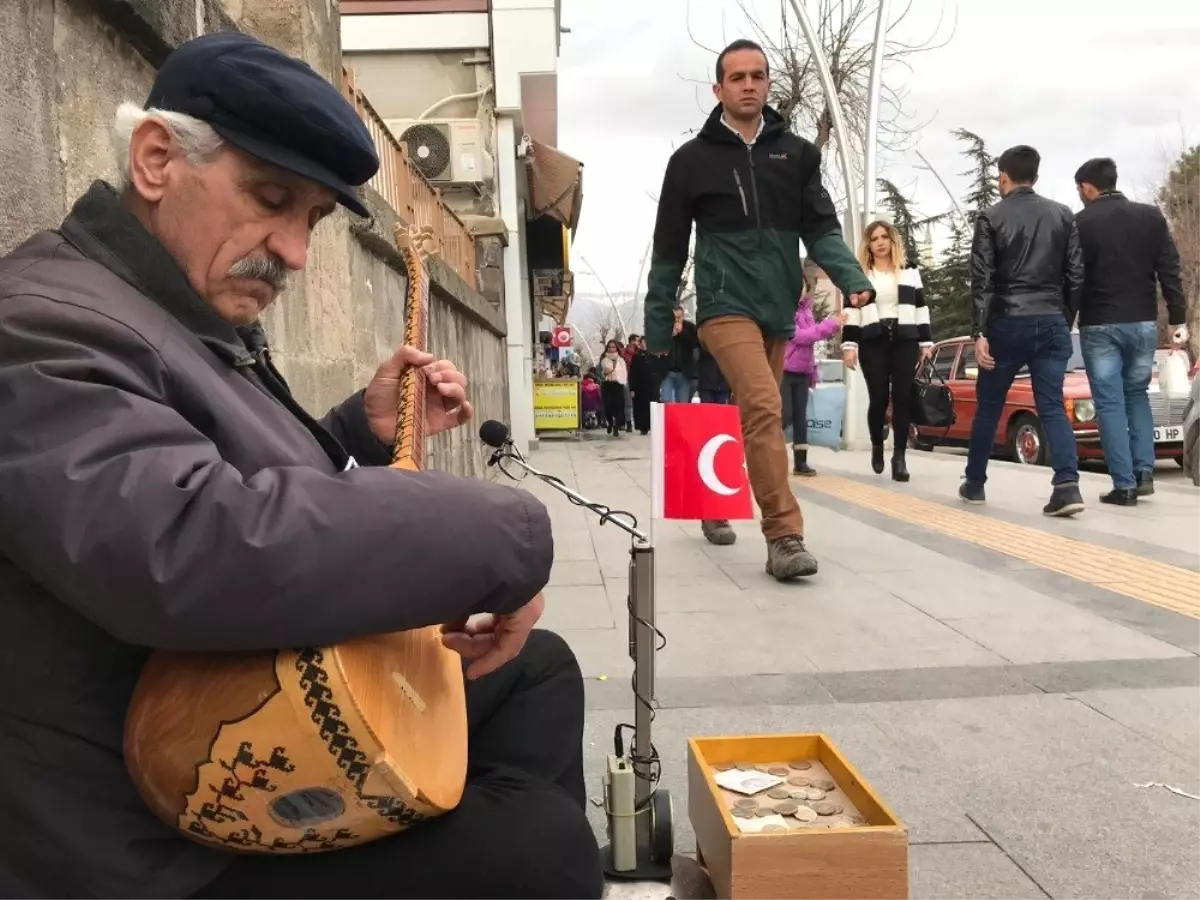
x=788, y=816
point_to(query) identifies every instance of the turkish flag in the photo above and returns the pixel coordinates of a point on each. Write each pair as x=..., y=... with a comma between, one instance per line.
x=698, y=462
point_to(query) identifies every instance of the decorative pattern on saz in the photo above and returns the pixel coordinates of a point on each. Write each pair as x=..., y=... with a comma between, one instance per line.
x=340, y=743
x=247, y=770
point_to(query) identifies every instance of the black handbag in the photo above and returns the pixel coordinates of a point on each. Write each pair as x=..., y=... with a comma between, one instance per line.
x=932, y=404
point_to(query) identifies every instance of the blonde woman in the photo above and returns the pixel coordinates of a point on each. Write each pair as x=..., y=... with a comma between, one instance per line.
x=890, y=335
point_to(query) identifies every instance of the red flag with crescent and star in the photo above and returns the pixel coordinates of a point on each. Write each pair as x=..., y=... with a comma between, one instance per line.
x=698, y=462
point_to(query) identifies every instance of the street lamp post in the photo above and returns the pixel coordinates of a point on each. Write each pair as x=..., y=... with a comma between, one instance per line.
x=871, y=145
x=835, y=113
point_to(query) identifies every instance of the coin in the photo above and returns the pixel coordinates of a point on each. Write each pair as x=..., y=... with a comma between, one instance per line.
x=778, y=771
x=800, y=764
x=856, y=820
x=744, y=766
x=777, y=794
x=824, y=784
x=815, y=793
x=774, y=828
x=763, y=811
x=804, y=814
x=745, y=803
x=723, y=767
x=799, y=781
x=798, y=795
x=742, y=813
x=825, y=809
x=786, y=808
x=764, y=768
x=841, y=822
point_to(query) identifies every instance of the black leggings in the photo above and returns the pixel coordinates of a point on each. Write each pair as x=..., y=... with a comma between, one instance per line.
x=521, y=829
x=889, y=366
x=795, y=406
x=613, y=393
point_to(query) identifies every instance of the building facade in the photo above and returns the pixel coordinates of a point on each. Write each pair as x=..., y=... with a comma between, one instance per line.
x=469, y=87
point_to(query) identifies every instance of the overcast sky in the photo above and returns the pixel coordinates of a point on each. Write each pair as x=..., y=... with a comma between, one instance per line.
x=1074, y=78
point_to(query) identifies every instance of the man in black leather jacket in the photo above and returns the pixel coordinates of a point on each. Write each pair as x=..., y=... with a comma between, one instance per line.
x=1026, y=286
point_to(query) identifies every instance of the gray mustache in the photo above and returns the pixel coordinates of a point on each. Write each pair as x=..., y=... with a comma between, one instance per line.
x=265, y=268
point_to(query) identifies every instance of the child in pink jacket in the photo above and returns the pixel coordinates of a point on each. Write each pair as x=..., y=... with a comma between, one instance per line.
x=800, y=371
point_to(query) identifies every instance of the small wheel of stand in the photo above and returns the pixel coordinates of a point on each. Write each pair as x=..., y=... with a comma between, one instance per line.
x=662, y=828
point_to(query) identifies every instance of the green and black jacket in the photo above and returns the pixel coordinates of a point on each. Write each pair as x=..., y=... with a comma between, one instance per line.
x=752, y=205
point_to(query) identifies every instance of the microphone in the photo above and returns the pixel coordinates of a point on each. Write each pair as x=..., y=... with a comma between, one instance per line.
x=493, y=433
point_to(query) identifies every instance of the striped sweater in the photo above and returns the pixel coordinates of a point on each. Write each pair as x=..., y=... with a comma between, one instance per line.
x=862, y=323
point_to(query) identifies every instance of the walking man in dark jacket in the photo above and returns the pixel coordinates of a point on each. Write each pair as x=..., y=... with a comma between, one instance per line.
x=1026, y=281
x=1128, y=253
x=162, y=489
x=753, y=190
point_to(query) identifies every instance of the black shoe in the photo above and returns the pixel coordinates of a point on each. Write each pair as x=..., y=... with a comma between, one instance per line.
x=800, y=464
x=972, y=492
x=629, y=428
x=899, y=469
x=1065, y=501
x=1122, y=496
x=1145, y=484
x=877, y=458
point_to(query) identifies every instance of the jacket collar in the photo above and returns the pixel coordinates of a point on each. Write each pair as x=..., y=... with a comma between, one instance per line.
x=717, y=131
x=104, y=231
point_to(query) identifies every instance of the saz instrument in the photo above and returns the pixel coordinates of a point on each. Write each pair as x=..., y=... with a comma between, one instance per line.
x=312, y=748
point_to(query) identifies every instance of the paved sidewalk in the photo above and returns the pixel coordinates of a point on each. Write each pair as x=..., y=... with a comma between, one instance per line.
x=1006, y=681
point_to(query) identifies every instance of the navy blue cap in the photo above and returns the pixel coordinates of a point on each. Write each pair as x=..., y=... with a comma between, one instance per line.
x=273, y=107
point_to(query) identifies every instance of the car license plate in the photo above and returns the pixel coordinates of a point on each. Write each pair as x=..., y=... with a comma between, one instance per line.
x=1165, y=434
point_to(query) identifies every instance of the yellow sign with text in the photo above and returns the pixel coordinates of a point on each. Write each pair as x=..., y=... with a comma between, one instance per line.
x=556, y=405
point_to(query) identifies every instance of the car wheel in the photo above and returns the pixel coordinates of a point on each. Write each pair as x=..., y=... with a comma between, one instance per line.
x=1027, y=441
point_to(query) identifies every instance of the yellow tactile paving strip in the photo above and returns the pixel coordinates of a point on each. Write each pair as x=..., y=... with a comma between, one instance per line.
x=1165, y=586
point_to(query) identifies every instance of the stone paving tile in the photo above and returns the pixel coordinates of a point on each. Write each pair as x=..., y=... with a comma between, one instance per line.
x=925, y=659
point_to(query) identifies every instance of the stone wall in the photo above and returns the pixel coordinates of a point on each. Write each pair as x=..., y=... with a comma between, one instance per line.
x=66, y=66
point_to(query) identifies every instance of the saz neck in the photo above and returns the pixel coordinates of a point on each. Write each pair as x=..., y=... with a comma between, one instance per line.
x=409, y=452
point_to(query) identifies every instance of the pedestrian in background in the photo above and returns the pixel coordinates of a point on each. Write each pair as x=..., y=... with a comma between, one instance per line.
x=1026, y=283
x=711, y=384
x=645, y=376
x=628, y=350
x=890, y=337
x=800, y=372
x=612, y=388
x=680, y=362
x=1128, y=253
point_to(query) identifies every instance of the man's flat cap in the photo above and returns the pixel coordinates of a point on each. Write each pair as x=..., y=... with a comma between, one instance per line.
x=273, y=107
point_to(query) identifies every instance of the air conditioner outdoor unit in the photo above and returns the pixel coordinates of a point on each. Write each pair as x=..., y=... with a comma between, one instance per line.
x=446, y=151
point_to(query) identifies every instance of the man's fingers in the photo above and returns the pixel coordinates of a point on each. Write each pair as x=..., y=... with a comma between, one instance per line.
x=506, y=647
x=403, y=358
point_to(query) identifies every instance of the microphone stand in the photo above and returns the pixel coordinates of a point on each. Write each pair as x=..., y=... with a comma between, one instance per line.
x=639, y=814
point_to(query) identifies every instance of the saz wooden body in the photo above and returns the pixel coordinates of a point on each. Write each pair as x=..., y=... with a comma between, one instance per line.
x=317, y=748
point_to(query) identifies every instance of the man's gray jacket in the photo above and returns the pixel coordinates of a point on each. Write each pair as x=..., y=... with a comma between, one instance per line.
x=160, y=488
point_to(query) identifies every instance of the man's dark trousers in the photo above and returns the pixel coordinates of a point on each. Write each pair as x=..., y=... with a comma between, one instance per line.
x=1043, y=343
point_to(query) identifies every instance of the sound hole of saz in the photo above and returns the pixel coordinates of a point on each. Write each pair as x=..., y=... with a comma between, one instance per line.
x=307, y=807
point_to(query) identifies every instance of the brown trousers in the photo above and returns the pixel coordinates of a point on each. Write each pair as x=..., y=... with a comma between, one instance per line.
x=753, y=365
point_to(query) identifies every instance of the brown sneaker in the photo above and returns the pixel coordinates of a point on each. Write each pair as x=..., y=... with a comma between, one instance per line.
x=787, y=558
x=718, y=531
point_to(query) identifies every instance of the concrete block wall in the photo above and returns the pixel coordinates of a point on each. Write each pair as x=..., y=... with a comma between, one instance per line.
x=65, y=67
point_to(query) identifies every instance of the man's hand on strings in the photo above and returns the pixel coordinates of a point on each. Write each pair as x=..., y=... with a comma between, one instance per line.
x=446, y=404
x=491, y=641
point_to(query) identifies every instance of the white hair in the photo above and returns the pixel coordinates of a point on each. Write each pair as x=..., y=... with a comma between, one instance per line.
x=200, y=143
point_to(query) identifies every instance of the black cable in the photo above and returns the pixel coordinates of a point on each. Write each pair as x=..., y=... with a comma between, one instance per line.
x=653, y=762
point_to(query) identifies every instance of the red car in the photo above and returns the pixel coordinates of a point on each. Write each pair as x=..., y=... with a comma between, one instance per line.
x=1020, y=436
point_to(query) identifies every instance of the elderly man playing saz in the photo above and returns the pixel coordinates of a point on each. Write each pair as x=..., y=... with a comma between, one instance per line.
x=163, y=489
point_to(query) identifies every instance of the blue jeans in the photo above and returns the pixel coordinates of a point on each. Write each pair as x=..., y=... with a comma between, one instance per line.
x=676, y=388
x=707, y=396
x=1043, y=343
x=1119, y=361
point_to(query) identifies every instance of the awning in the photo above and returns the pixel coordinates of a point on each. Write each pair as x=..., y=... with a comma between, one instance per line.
x=555, y=183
